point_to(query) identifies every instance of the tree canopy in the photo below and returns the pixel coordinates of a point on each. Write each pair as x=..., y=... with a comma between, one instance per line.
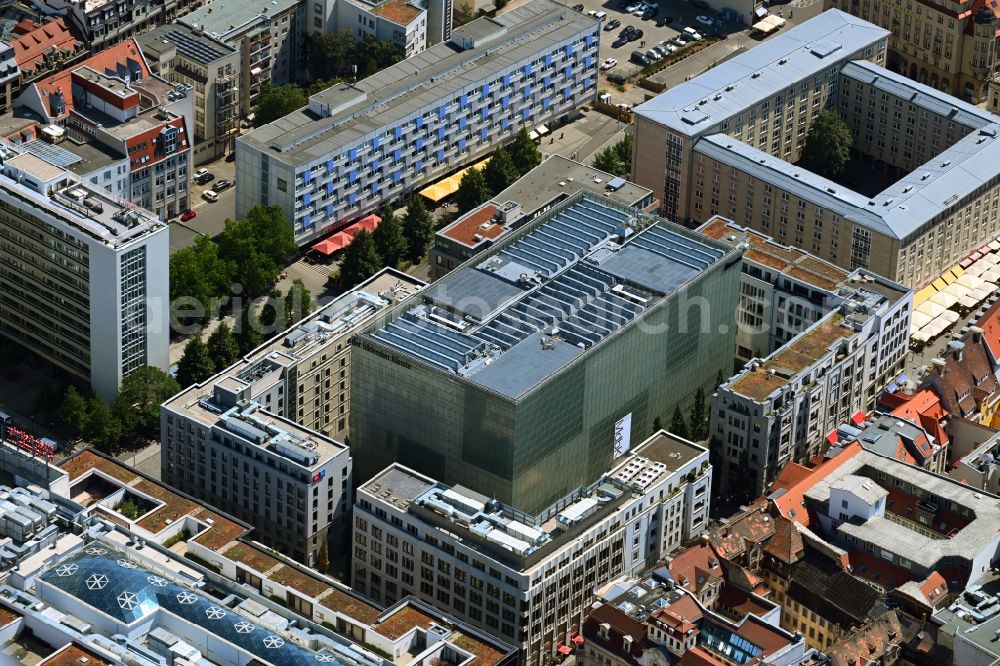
x=418, y=227
x=500, y=172
x=616, y=159
x=277, y=102
x=390, y=243
x=827, y=148
x=523, y=152
x=360, y=261
x=142, y=392
x=298, y=303
x=223, y=348
x=247, y=332
x=677, y=424
x=472, y=190
x=195, y=365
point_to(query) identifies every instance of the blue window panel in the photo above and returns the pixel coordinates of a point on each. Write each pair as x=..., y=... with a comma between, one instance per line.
x=463, y=101
x=375, y=165
x=440, y=156
x=527, y=91
x=569, y=50
x=526, y=113
x=329, y=189
x=376, y=143
x=567, y=94
x=546, y=103
x=484, y=114
x=588, y=61
x=548, y=59
x=420, y=143
x=588, y=83
x=568, y=72
x=397, y=155
x=442, y=133
x=307, y=175
x=590, y=40
x=506, y=80
x=484, y=134
x=329, y=210
x=352, y=198
x=307, y=221
x=527, y=69
x=505, y=101
x=352, y=176
x=418, y=166
x=374, y=188
x=442, y=112
x=462, y=123
x=419, y=122
x=329, y=166
x=397, y=176
x=486, y=89
x=548, y=81
x=307, y=198
x=398, y=133
x=352, y=154
x=504, y=124
x=461, y=145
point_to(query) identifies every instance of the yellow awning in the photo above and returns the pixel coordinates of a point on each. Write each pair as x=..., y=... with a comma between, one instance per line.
x=446, y=187
x=948, y=277
x=957, y=270
x=923, y=295
x=939, y=284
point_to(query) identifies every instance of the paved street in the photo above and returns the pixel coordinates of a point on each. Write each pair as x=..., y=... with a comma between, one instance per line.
x=211, y=217
x=581, y=139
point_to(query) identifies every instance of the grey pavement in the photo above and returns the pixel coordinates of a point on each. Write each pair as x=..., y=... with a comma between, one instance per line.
x=582, y=138
x=146, y=460
x=211, y=218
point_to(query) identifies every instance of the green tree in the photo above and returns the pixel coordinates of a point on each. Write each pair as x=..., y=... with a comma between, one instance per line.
x=677, y=424
x=523, y=152
x=500, y=172
x=258, y=247
x=195, y=365
x=103, y=429
x=247, y=331
x=623, y=151
x=390, y=243
x=361, y=260
x=697, y=420
x=199, y=272
x=472, y=190
x=269, y=312
x=374, y=55
x=827, y=149
x=277, y=102
x=330, y=55
x=607, y=160
x=298, y=303
x=73, y=410
x=462, y=13
x=128, y=508
x=137, y=406
x=418, y=227
x=223, y=348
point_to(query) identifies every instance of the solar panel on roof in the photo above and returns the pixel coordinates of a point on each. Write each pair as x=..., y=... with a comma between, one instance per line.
x=52, y=153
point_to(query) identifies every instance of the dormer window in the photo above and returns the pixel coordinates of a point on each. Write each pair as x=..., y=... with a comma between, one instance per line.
x=603, y=630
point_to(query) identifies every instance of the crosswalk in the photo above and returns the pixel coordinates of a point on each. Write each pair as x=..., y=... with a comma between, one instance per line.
x=322, y=269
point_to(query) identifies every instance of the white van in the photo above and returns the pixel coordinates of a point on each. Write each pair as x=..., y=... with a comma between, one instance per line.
x=692, y=33
x=210, y=195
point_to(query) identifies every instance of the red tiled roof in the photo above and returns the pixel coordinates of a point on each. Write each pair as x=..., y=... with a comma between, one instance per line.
x=693, y=567
x=904, y=504
x=142, y=145
x=742, y=602
x=923, y=408
x=786, y=544
x=471, y=225
x=762, y=634
x=679, y=616
x=990, y=323
x=621, y=625
x=875, y=569
x=869, y=644
x=934, y=587
x=966, y=380
x=791, y=504
x=33, y=41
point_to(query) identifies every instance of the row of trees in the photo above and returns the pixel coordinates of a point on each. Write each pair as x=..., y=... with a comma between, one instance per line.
x=616, y=159
x=331, y=57
x=244, y=260
x=133, y=418
x=394, y=242
x=506, y=165
x=225, y=345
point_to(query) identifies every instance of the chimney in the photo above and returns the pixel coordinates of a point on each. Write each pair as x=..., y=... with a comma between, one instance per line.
x=939, y=365
x=977, y=333
x=956, y=347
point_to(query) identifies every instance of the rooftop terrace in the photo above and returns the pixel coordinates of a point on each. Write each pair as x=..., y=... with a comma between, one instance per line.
x=567, y=282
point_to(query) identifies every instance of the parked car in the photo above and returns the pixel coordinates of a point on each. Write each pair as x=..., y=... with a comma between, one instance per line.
x=664, y=21
x=611, y=25
x=653, y=55
x=204, y=178
x=578, y=8
x=222, y=185
x=667, y=46
x=650, y=14
x=635, y=36
x=690, y=34
x=618, y=43
x=705, y=20
x=616, y=78
x=631, y=7
x=608, y=64
x=639, y=58
x=209, y=195
x=626, y=31
x=199, y=173
x=231, y=157
x=663, y=50
x=189, y=214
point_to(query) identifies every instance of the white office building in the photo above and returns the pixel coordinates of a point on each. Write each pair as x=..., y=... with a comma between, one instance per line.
x=529, y=579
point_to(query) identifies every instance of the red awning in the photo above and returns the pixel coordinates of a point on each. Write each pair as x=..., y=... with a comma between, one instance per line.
x=369, y=222
x=832, y=438
x=858, y=418
x=564, y=649
x=578, y=639
x=965, y=263
x=330, y=245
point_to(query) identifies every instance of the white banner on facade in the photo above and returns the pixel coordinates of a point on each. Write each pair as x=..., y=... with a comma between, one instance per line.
x=623, y=435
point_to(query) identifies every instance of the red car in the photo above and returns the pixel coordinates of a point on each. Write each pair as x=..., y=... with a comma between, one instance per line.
x=189, y=214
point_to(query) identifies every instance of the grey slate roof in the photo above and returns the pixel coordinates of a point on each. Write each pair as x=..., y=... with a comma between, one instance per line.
x=760, y=73
x=396, y=93
x=219, y=18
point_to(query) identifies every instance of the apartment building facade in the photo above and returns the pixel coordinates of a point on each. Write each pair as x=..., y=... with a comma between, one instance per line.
x=527, y=578
x=105, y=23
x=211, y=68
x=359, y=146
x=951, y=47
x=269, y=40
x=781, y=408
x=291, y=483
x=84, y=277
